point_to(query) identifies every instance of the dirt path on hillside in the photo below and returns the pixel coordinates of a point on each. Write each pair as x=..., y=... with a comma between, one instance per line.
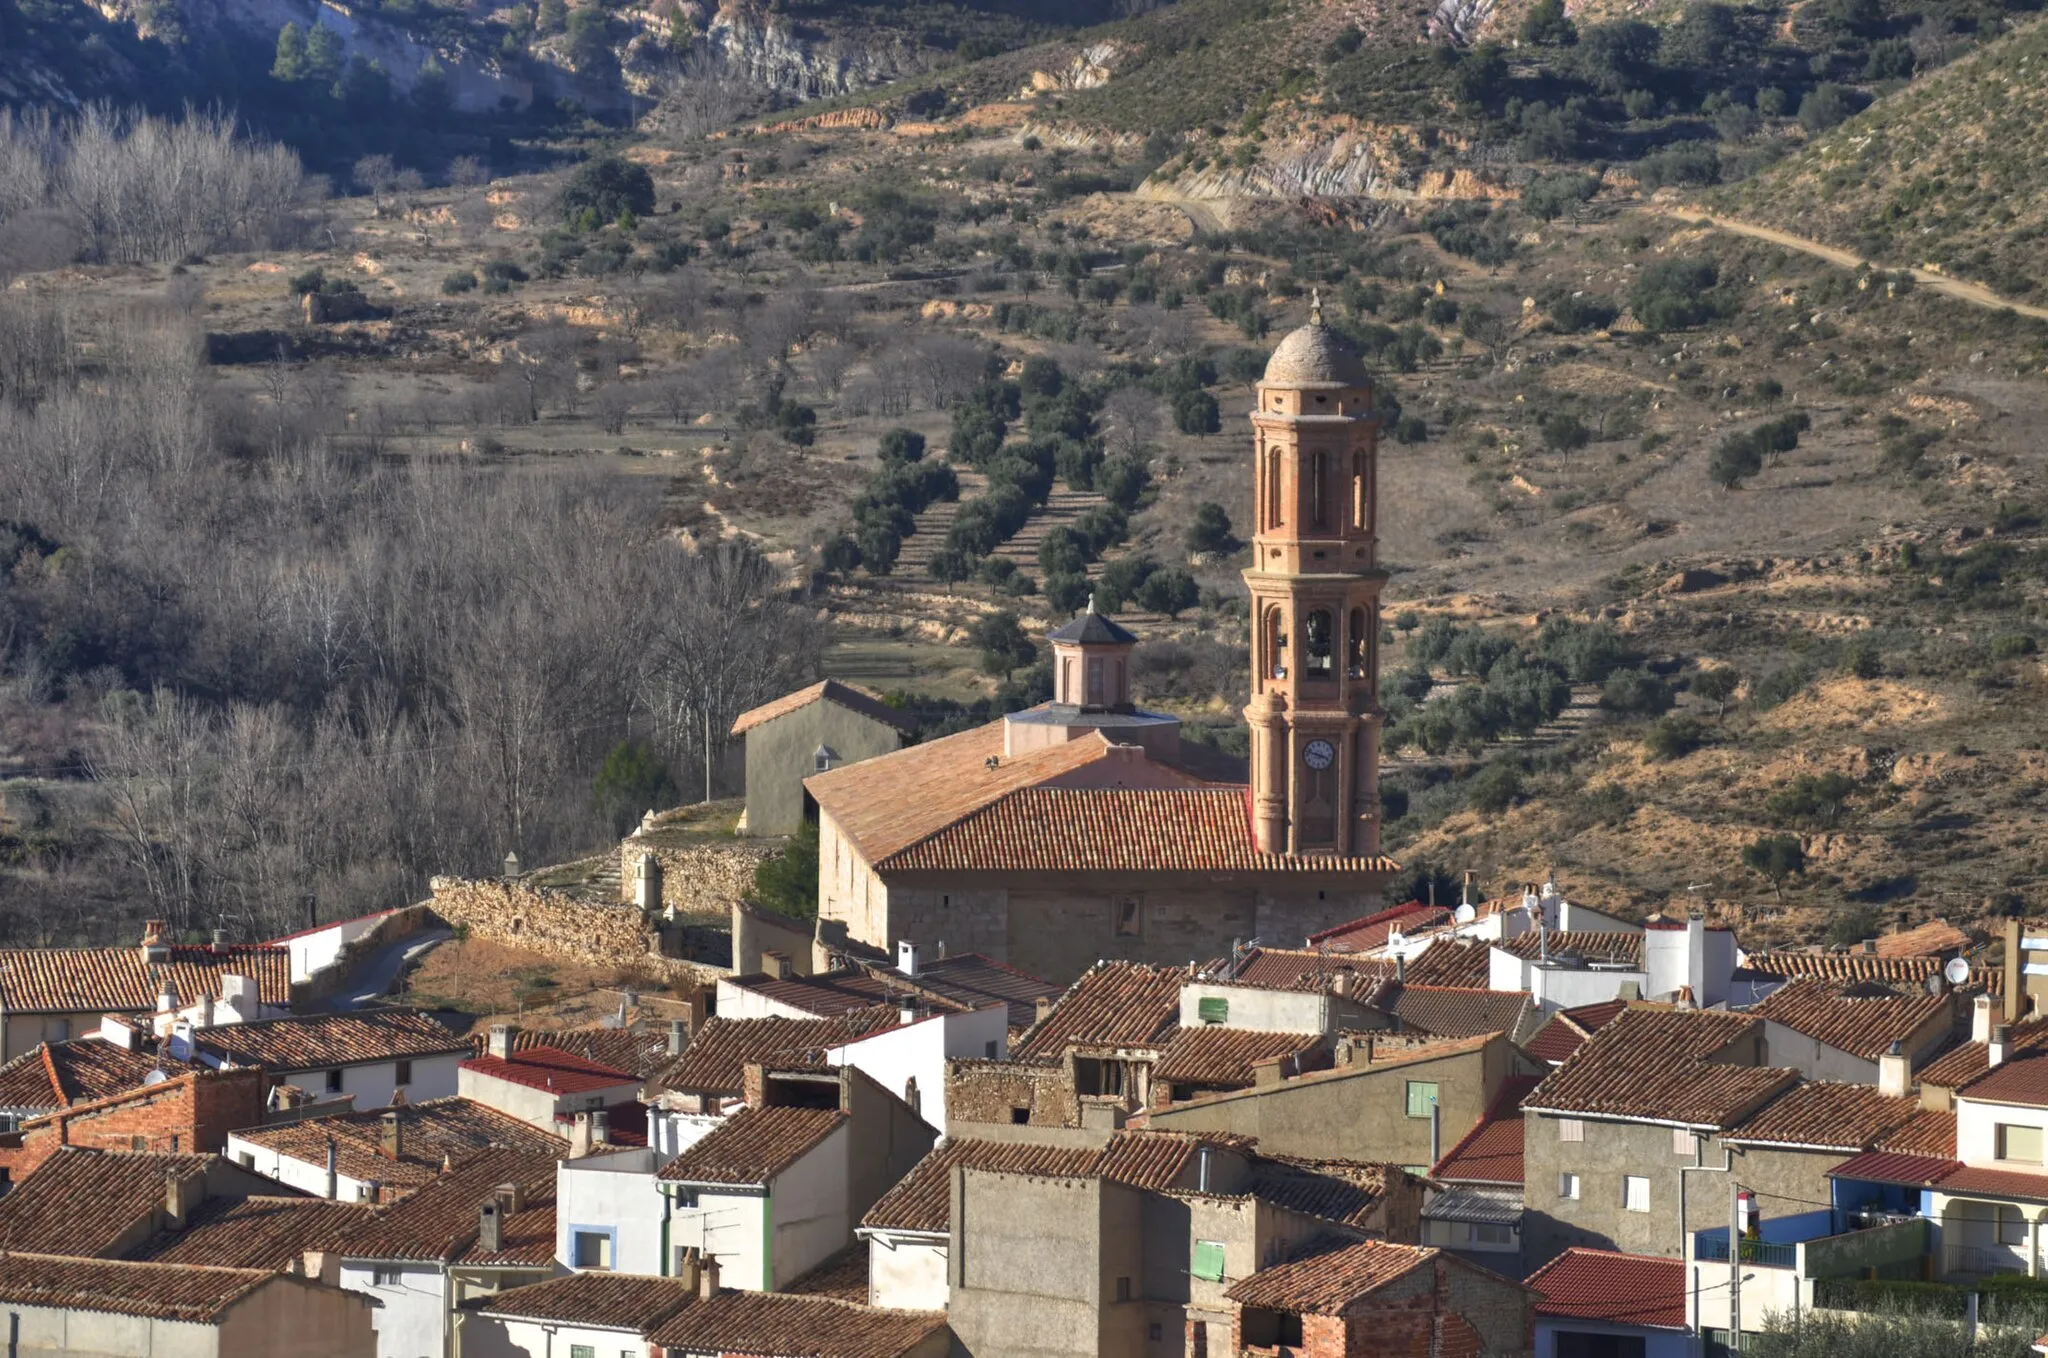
x=1974, y=293
x=1201, y=212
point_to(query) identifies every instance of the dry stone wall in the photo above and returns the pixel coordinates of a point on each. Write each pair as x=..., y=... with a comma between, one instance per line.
x=559, y=926
x=697, y=879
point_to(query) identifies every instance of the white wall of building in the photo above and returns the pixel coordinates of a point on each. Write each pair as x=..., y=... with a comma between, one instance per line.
x=728, y=1225
x=546, y=1109
x=414, y=1308
x=672, y=1131
x=1977, y=1126
x=488, y=1336
x=893, y=1057
x=1814, y=1059
x=317, y=948
x=809, y=1211
x=1268, y=1011
x=618, y=1193
x=906, y=1272
x=374, y=1082
x=739, y=1002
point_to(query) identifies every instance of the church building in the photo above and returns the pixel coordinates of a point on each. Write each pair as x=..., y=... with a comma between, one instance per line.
x=1086, y=828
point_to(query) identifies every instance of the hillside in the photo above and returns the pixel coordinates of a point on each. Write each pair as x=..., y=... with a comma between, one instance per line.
x=1949, y=173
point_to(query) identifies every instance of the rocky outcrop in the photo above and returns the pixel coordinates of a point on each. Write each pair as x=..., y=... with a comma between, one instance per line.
x=768, y=54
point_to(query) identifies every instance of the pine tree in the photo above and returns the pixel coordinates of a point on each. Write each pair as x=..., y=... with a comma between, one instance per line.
x=323, y=54
x=290, y=64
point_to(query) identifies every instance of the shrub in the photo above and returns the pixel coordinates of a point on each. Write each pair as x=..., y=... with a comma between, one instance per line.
x=900, y=446
x=1195, y=412
x=1673, y=738
x=1717, y=686
x=2013, y=646
x=1814, y=799
x=1563, y=433
x=461, y=281
x=1824, y=106
x=1494, y=789
x=788, y=884
x=1171, y=591
x=1636, y=692
x=1576, y=313
x=1780, y=685
x=1210, y=529
x=1776, y=858
x=1674, y=294
x=1066, y=593
x=1552, y=195
x=1003, y=645
x=1546, y=22
x=608, y=187
x=1588, y=652
x=1690, y=162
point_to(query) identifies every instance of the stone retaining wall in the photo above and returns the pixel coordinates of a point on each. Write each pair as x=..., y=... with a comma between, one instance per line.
x=558, y=925
x=697, y=879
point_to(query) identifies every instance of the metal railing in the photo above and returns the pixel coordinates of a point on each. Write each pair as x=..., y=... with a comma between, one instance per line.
x=1768, y=1253
x=1984, y=1259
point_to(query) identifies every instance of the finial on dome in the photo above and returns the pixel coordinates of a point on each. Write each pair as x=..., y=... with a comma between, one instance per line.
x=1315, y=306
x=1091, y=601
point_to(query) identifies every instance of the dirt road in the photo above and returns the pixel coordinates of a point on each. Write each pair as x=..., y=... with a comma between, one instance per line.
x=1974, y=293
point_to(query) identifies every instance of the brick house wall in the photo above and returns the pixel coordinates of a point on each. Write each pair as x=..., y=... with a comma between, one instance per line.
x=1448, y=1310
x=191, y=1113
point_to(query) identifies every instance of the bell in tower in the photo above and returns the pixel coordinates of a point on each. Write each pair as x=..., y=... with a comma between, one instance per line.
x=1315, y=588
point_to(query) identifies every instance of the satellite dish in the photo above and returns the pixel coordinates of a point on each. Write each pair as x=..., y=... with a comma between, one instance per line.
x=1957, y=971
x=155, y=1077
x=1464, y=914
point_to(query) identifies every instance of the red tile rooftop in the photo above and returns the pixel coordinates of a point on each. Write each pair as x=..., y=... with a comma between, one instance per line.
x=179, y=1293
x=1491, y=1153
x=1966, y=1061
x=777, y=1325
x=551, y=1068
x=1933, y=1132
x=1617, y=1289
x=753, y=1145
x=849, y=696
x=1112, y=1004
x=90, y=1201
x=1363, y=935
x=1329, y=1283
x=1453, y=1011
x=1889, y=1167
x=1841, y=1117
x=1862, y=1018
x=119, y=980
x=1655, y=1065
x=2023, y=1082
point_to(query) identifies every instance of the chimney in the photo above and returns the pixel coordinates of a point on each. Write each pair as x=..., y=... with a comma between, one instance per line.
x=333, y=1171
x=909, y=957
x=1980, y=1019
x=707, y=1278
x=204, y=1018
x=906, y=1010
x=391, y=1136
x=1202, y=1167
x=1465, y=891
x=776, y=965
x=600, y=1128
x=490, y=1230
x=322, y=1266
x=2001, y=1042
x=678, y=1036
x=689, y=1266
x=155, y=947
x=175, y=1203
x=2015, y=974
x=1894, y=1073
x=1042, y=1007
x=220, y=942
x=1401, y=967
x=579, y=1137
x=504, y=1036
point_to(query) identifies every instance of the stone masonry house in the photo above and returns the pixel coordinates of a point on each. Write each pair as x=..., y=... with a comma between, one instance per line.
x=1389, y=1300
x=813, y=730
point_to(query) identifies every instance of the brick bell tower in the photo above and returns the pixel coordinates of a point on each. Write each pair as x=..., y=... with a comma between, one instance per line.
x=1315, y=601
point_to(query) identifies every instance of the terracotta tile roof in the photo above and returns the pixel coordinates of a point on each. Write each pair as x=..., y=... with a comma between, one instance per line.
x=1567, y=1030
x=1304, y=969
x=849, y=696
x=1452, y=962
x=2003, y=1183
x=1388, y=1052
x=1932, y=1132
x=922, y=1199
x=1859, y=966
x=1112, y=1004
x=1112, y=829
x=1225, y=1056
x=1363, y=935
x=119, y=981
x=637, y=1052
x=270, y=1233
x=975, y=982
x=441, y=1220
x=551, y=1069
x=753, y=1145
x=176, y=1292
x=1842, y=1117
x=826, y=995
x=1965, y=1061
x=1936, y=938
x=842, y=1277
x=1619, y=1289
x=1453, y=1011
x=429, y=1134
x=1891, y=1167
x=89, y=1201
x=57, y=1075
x=2022, y=1081
x=1862, y=1018
x=288, y=1044
x=777, y=1325
x=619, y=1301
x=719, y=1054
x=1329, y=1282
x=1654, y=1065
x=1593, y=947
x=1347, y=1192
x=951, y=984
x=1157, y=1159
x=1491, y=1153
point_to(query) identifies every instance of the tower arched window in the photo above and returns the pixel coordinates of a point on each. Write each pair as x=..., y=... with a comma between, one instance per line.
x=1358, y=490
x=1319, y=478
x=1317, y=644
x=1354, y=644
x=1274, y=517
x=1276, y=644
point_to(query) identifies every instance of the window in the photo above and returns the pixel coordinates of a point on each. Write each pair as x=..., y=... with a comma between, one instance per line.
x=1208, y=1261
x=583, y=1351
x=1568, y=1186
x=1684, y=1142
x=988, y=1050
x=1019, y=1116
x=138, y=1143
x=334, y=1082
x=386, y=1277
x=1130, y=918
x=590, y=1249
x=1571, y=1129
x=1154, y=1331
x=1094, y=698
x=1421, y=1097
x=403, y=1073
x=1214, y=1009
x=824, y=757
x=1576, y=1344
x=1123, y=1289
x=1490, y=1233
x=2019, y=1143
x=1318, y=474
x=1316, y=628
x=248, y=1160
x=2012, y=1226
x=1635, y=1193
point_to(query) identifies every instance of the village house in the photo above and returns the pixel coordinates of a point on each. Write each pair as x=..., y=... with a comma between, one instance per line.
x=1390, y=1300
x=382, y=1154
x=814, y=730
x=1475, y=1205
x=103, y=1204
x=1599, y=1304
x=187, y=1112
x=374, y=1057
x=543, y=1085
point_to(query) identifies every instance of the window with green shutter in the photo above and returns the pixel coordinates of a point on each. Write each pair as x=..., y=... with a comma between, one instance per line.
x=1214, y=1009
x=1421, y=1096
x=1208, y=1265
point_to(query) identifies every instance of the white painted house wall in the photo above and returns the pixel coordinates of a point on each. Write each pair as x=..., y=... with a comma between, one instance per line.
x=414, y=1310
x=546, y=1109
x=730, y=1225
x=1268, y=1011
x=738, y=1002
x=617, y=1193
x=895, y=1056
x=374, y=1082
x=906, y=1272
x=672, y=1131
x=317, y=948
x=286, y=1169
x=1977, y=1124
x=488, y=1336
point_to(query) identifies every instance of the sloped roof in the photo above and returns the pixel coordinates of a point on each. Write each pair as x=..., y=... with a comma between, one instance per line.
x=1090, y=628
x=430, y=1133
x=1818, y=1113
x=922, y=1199
x=440, y=1221
x=849, y=696
x=1567, y=1030
x=174, y=1292
x=1936, y=938
x=1618, y=1289
x=1655, y=1065
x=268, y=1233
x=1862, y=1018
x=961, y=982
x=551, y=1069
x=1930, y=1132
x=2022, y=1081
x=1893, y=1167
x=1861, y=966
x=1965, y=1061
x=1225, y=1056
x=1304, y=968
x=1112, y=1004
x=777, y=1325
x=323, y=1040
x=84, y=1202
x=59, y=1074
x=753, y=1145
x=120, y=981
x=1592, y=946
x=1491, y=1153
x=639, y=1052
x=1455, y=1011
x=1347, y=1192
x=1453, y=962
x=621, y=1301
x=1371, y=931
x=719, y=1054
x=1331, y=1281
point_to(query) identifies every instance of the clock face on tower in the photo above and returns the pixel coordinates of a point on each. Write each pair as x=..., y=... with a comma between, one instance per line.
x=1318, y=754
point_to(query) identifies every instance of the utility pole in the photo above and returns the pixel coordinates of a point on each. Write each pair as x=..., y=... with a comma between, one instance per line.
x=707, y=752
x=1734, y=1265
